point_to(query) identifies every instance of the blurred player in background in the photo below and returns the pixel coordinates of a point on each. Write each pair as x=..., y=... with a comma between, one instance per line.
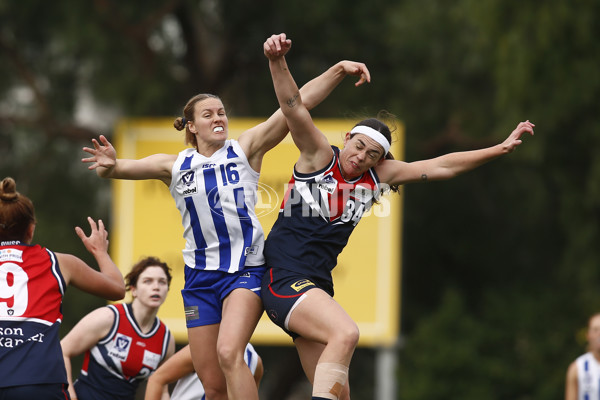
x=123, y=343
x=180, y=369
x=583, y=375
x=33, y=281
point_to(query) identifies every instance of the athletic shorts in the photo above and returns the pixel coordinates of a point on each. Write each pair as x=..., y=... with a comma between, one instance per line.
x=204, y=292
x=49, y=391
x=282, y=291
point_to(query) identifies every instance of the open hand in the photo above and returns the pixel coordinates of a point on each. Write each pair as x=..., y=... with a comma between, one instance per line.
x=103, y=154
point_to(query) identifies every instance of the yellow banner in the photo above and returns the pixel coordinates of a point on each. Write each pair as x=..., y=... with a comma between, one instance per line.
x=147, y=223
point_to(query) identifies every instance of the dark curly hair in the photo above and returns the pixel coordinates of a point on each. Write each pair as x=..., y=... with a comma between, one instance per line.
x=132, y=277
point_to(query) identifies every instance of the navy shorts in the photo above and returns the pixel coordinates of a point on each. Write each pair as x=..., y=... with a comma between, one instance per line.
x=204, y=292
x=282, y=291
x=49, y=391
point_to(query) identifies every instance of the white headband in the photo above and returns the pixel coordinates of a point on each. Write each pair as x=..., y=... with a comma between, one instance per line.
x=373, y=134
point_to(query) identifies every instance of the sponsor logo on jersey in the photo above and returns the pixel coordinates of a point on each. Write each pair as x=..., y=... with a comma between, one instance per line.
x=328, y=183
x=120, y=347
x=14, y=255
x=208, y=165
x=301, y=284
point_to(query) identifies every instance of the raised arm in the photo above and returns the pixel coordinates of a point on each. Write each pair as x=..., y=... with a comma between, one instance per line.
x=106, y=283
x=104, y=161
x=315, y=151
x=449, y=165
x=265, y=136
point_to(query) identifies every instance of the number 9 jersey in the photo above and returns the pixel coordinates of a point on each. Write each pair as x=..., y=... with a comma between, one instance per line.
x=31, y=293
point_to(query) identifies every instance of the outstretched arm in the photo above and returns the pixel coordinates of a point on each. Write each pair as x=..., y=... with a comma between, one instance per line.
x=104, y=160
x=315, y=151
x=265, y=136
x=449, y=165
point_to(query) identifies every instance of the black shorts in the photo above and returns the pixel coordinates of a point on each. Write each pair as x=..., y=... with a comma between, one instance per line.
x=281, y=292
x=50, y=391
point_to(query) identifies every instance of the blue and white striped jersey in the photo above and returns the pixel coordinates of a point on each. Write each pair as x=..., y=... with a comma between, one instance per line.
x=190, y=388
x=588, y=376
x=216, y=197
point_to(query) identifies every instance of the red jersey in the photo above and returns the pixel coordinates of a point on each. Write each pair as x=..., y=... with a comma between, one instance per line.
x=31, y=293
x=122, y=359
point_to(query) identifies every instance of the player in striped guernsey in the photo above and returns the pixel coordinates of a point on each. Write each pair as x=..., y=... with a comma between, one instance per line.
x=329, y=192
x=214, y=184
x=179, y=369
x=123, y=343
x=583, y=375
x=33, y=281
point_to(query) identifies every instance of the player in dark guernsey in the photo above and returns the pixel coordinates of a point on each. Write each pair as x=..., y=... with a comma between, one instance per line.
x=214, y=184
x=33, y=280
x=330, y=190
x=123, y=343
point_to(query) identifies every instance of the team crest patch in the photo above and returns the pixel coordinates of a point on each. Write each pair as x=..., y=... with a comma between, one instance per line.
x=328, y=183
x=120, y=347
x=188, y=183
x=301, y=284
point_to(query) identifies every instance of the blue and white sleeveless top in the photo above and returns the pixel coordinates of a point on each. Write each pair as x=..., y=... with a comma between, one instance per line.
x=588, y=377
x=216, y=197
x=190, y=388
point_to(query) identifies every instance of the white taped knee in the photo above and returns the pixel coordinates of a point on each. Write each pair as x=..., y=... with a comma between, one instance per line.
x=330, y=379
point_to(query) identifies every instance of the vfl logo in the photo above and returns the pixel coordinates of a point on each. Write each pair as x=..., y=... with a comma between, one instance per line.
x=122, y=343
x=301, y=284
x=120, y=347
x=328, y=184
x=189, y=182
